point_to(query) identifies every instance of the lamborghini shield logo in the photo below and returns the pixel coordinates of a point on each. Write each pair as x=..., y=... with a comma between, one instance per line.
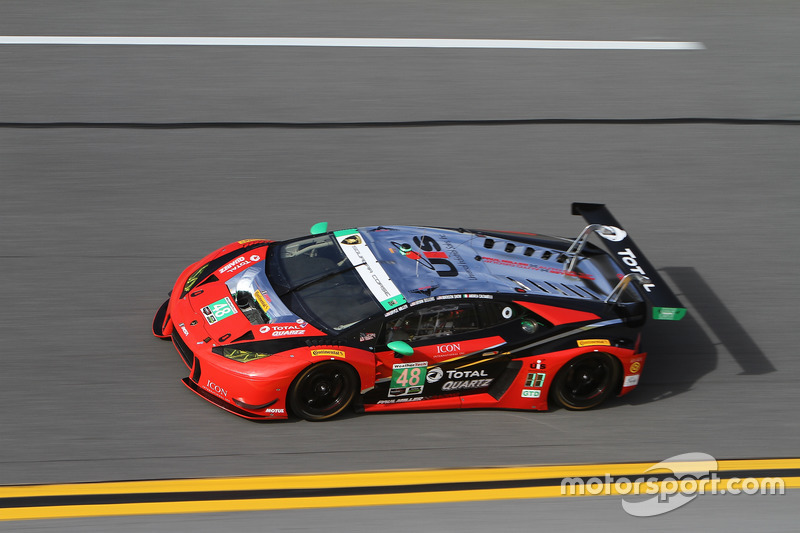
x=352, y=240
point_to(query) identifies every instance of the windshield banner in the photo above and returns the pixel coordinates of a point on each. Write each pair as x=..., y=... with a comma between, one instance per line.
x=369, y=269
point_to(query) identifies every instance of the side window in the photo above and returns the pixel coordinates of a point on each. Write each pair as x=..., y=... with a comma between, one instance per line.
x=495, y=313
x=433, y=322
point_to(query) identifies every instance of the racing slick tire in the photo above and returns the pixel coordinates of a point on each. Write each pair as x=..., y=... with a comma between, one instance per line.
x=323, y=390
x=586, y=381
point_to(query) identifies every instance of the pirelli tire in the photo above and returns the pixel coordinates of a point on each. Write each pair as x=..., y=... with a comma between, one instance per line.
x=323, y=390
x=586, y=381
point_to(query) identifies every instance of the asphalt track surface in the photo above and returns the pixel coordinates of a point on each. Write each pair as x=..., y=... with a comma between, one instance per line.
x=121, y=165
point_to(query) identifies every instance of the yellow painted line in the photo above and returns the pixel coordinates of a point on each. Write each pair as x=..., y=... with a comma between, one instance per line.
x=362, y=479
x=274, y=504
x=377, y=479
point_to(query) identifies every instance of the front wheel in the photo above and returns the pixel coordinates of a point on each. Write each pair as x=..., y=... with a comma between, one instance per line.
x=323, y=390
x=586, y=381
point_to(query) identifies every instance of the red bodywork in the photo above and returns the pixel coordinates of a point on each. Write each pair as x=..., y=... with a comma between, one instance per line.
x=258, y=389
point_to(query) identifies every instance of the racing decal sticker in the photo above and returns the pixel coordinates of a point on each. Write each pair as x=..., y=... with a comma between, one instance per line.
x=535, y=380
x=401, y=400
x=466, y=379
x=215, y=389
x=454, y=350
x=352, y=240
x=240, y=263
x=326, y=352
x=367, y=266
x=528, y=266
x=219, y=310
x=629, y=258
x=527, y=393
x=262, y=302
x=630, y=381
x=287, y=329
x=594, y=342
x=612, y=233
x=408, y=379
x=434, y=375
x=635, y=367
x=433, y=257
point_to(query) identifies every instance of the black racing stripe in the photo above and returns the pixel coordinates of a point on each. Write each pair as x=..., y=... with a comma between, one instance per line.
x=161, y=497
x=399, y=124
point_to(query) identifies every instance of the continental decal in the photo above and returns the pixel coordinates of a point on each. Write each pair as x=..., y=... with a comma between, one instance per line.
x=327, y=353
x=594, y=342
x=262, y=302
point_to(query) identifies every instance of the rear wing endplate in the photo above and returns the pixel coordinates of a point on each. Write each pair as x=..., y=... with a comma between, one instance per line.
x=666, y=305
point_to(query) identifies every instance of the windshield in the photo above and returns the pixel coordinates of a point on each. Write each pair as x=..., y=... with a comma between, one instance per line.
x=316, y=280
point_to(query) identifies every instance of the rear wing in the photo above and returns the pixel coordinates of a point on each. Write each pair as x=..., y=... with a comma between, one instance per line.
x=666, y=305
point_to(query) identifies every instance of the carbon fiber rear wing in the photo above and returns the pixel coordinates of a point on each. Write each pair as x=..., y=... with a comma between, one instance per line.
x=666, y=305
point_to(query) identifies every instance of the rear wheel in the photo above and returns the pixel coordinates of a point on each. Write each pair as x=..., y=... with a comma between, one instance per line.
x=586, y=381
x=323, y=390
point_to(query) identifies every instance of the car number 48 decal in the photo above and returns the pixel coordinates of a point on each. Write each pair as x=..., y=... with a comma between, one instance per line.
x=218, y=310
x=408, y=378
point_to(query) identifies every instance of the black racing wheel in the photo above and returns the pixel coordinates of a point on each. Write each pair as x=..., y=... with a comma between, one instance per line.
x=323, y=390
x=586, y=381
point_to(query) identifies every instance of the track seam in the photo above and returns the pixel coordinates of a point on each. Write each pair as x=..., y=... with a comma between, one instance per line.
x=402, y=124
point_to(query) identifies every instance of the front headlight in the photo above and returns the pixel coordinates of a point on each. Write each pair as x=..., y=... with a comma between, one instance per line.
x=243, y=356
x=193, y=279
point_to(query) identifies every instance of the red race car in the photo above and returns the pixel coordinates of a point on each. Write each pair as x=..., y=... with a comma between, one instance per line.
x=390, y=318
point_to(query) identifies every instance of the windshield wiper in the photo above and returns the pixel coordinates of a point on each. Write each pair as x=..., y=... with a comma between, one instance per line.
x=320, y=279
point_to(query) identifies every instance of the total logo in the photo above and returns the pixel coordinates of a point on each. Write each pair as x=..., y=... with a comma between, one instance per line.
x=466, y=374
x=612, y=233
x=283, y=330
x=239, y=263
x=629, y=258
x=434, y=375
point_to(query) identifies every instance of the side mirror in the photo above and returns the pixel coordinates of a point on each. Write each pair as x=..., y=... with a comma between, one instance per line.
x=319, y=228
x=400, y=348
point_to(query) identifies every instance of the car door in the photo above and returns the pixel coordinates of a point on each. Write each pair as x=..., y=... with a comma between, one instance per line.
x=451, y=354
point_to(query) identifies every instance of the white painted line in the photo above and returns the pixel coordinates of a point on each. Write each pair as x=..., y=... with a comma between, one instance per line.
x=370, y=43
